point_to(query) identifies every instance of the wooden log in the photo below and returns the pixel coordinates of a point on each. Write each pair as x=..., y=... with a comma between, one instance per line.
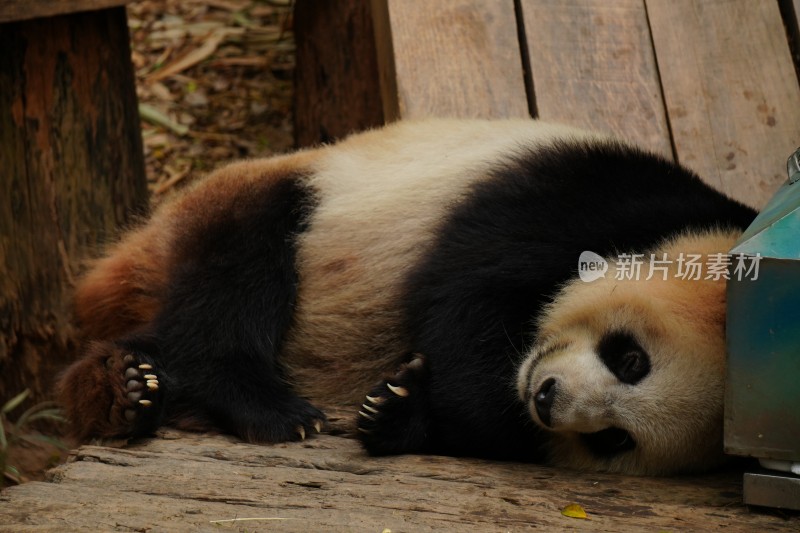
x=184, y=482
x=73, y=171
x=592, y=65
x=731, y=91
x=455, y=58
x=336, y=79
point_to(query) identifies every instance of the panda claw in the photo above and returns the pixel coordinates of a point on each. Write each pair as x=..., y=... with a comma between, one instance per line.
x=145, y=403
x=302, y=432
x=376, y=400
x=400, y=391
x=150, y=376
x=365, y=415
x=417, y=363
x=145, y=366
x=318, y=426
x=370, y=409
x=152, y=386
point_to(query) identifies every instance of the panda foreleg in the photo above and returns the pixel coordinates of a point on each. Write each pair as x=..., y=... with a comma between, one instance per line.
x=394, y=416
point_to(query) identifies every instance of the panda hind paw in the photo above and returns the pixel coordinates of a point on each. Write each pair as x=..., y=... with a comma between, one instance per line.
x=393, y=420
x=134, y=407
x=112, y=392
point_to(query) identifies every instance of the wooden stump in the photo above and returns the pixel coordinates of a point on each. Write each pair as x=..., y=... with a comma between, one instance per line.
x=73, y=172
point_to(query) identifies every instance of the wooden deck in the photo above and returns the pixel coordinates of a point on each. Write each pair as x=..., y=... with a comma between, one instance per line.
x=709, y=83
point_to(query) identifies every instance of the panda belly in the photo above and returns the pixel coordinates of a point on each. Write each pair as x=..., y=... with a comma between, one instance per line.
x=383, y=197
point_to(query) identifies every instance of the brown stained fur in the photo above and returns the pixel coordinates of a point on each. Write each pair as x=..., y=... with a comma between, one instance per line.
x=122, y=291
x=93, y=393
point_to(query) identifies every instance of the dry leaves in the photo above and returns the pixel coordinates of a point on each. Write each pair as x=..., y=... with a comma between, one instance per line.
x=574, y=510
x=214, y=80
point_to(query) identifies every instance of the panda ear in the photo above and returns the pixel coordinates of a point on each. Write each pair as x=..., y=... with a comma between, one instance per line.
x=624, y=357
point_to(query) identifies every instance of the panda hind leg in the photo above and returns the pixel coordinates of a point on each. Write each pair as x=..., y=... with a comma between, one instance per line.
x=394, y=417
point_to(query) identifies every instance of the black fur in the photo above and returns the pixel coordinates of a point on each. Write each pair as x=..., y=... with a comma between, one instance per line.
x=624, y=357
x=501, y=254
x=215, y=345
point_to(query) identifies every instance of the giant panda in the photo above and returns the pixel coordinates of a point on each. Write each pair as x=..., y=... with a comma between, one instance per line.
x=427, y=275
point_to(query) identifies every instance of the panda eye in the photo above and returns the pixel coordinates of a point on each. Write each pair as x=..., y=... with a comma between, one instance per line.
x=624, y=357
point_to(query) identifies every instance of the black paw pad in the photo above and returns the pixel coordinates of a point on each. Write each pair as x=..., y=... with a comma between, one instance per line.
x=140, y=403
x=393, y=417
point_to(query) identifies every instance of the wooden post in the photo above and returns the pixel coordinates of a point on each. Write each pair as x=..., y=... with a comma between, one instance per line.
x=337, y=73
x=72, y=173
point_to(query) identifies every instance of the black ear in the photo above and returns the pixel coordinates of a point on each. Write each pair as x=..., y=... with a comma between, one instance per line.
x=624, y=357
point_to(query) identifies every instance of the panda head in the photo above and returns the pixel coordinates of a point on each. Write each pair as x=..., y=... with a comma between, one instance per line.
x=628, y=375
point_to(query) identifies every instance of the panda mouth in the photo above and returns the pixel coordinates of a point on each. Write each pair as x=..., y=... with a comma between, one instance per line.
x=608, y=442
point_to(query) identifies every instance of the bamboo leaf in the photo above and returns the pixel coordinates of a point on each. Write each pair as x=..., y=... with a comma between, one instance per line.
x=153, y=115
x=33, y=411
x=14, y=402
x=55, y=415
x=36, y=438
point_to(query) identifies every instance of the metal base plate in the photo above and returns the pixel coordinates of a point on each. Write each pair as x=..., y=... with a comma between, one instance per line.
x=772, y=490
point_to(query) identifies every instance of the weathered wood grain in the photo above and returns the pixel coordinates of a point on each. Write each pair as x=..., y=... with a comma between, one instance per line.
x=456, y=58
x=593, y=66
x=731, y=92
x=72, y=173
x=338, y=91
x=187, y=482
x=30, y=9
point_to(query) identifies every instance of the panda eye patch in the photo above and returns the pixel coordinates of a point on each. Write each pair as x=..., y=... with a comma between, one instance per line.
x=624, y=357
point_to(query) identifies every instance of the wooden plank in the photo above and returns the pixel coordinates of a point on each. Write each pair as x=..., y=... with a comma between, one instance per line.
x=731, y=91
x=336, y=87
x=456, y=58
x=186, y=482
x=593, y=66
x=30, y=9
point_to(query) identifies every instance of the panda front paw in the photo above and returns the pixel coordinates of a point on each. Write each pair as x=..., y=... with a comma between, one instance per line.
x=393, y=418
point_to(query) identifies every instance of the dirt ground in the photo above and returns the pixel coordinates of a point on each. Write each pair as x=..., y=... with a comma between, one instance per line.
x=214, y=80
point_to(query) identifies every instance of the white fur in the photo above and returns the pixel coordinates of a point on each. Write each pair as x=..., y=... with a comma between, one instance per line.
x=675, y=413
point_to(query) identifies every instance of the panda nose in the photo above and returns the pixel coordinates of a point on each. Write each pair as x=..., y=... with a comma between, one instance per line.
x=544, y=400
